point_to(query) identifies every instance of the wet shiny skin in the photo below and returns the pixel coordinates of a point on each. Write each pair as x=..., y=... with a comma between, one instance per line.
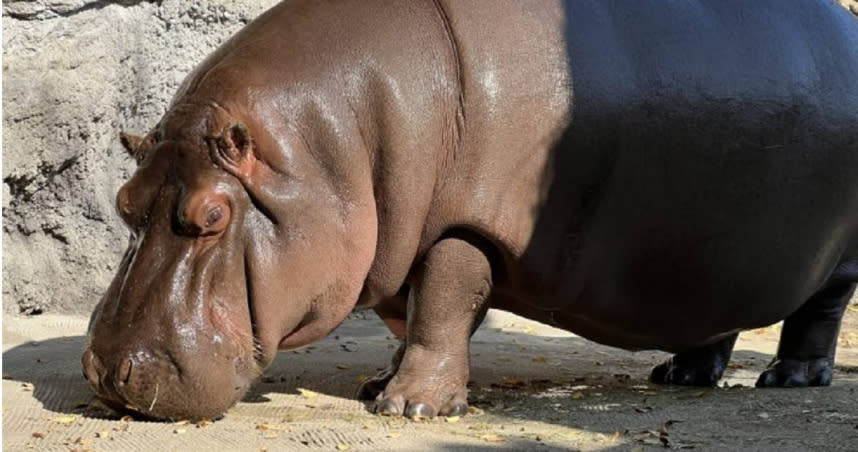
x=647, y=175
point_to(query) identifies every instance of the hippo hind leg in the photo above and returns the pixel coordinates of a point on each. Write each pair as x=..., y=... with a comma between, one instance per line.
x=698, y=366
x=808, y=341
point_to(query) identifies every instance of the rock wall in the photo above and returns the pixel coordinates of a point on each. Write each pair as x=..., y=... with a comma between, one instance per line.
x=75, y=73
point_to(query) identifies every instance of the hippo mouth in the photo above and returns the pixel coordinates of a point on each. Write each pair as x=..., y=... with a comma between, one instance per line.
x=154, y=386
x=186, y=368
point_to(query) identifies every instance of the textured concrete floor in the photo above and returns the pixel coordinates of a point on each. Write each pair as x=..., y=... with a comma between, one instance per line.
x=534, y=388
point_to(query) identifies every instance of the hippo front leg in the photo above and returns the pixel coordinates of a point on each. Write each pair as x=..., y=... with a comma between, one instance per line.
x=446, y=303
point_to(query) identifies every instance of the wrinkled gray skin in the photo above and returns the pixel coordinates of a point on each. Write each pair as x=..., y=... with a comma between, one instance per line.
x=645, y=174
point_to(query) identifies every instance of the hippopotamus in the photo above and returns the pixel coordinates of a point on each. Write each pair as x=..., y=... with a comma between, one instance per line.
x=647, y=175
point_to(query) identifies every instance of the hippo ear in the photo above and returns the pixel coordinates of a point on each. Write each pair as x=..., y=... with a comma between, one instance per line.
x=234, y=150
x=136, y=145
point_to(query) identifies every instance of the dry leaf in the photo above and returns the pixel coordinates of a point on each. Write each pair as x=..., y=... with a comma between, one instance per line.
x=181, y=423
x=180, y=431
x=65, y=419
x=661, y=437
x=103, y=434
x=308, y=393
x=343, y=447
x=343, y=366
x=204, y=423
x=649, y=437
x=491, y=438
x=126, y=418
x=452, y=419
x=70, y=441
x=472, y=410
x=613, y=438
x=513, y=382
x=27, y=387
x=670, y=422
x=267, y=427
x=695, y=395
x=38, y=435
x=538, y=359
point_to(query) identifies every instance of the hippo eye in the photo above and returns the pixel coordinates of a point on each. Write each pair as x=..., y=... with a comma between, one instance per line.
x=213, y=215
x=204, y=214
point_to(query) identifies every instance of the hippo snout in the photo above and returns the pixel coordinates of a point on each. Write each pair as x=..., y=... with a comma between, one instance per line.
x=123, y=382
x=152, y=386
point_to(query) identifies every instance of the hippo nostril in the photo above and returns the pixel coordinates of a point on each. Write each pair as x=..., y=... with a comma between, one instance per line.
x=124, y=372
x=92, y=368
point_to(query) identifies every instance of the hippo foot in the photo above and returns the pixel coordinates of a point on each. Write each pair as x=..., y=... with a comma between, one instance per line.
x=795, y=373
x=672, y=373
x=426, y=384
x=699, y=366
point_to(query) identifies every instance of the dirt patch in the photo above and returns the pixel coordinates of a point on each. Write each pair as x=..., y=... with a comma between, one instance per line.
x=533, y=388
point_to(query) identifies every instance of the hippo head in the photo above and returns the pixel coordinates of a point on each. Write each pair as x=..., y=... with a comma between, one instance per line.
x=240, y=245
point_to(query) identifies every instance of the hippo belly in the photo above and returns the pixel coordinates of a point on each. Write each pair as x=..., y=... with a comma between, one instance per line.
x=642, y=288
x=702, y=232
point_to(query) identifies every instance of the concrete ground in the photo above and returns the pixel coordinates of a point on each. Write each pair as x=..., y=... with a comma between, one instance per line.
x=534, y=388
